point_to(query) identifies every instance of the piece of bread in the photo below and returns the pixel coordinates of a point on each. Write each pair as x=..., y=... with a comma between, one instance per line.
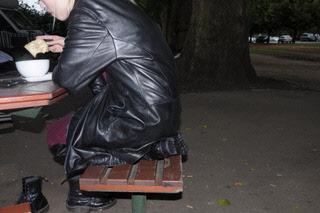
x=37, y=46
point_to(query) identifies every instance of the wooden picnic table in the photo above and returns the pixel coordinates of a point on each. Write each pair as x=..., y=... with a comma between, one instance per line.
x=30, y=95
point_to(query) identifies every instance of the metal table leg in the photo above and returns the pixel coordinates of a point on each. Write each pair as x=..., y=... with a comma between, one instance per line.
x=139, y=203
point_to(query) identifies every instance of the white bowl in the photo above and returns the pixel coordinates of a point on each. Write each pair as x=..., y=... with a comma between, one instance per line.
x=33, y=68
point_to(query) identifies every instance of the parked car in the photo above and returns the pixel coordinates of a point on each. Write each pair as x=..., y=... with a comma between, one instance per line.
x=262, y=39
x=253, y=39
x=285, y=39
x=274, y=39
x=308, y=37
x=15, y=29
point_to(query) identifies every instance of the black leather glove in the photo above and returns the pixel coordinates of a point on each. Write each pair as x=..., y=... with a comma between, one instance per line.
x=98, y=84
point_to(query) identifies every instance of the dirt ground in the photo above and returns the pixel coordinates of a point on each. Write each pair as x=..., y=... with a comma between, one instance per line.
x=259, y=149
x=301, y=72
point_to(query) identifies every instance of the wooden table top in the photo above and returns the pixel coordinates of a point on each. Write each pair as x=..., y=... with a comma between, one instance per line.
x=30, y=95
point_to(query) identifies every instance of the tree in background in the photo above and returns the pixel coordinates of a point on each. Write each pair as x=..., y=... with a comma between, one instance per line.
x=175, y=20
x=294, y=16
x=263, y=16
x=315, y=11
x=278, y=16
x=254, y=13
x=215, y=53
x=212, y=37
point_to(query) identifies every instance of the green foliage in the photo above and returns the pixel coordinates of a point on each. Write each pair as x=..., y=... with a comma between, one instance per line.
x=153, y=8
x=43, y=21
x=263, y=16
x=276, y=16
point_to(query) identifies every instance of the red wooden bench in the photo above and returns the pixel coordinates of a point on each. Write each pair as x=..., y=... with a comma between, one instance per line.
x=162, y=176
x=20, y=208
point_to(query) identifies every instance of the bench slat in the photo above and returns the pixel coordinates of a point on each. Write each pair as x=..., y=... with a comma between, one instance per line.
x=146, y=174
x=172, y=174
x=93, y=175
x=118, y=175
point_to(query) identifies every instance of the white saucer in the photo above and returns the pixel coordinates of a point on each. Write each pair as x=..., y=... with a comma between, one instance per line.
x=47, y=77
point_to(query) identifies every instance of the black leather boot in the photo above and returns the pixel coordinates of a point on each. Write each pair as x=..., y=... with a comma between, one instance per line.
x=83, y=201
x=31, y=193
x=167, y=147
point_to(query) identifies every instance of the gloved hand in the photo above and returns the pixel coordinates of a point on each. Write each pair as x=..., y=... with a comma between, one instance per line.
x=98, y=84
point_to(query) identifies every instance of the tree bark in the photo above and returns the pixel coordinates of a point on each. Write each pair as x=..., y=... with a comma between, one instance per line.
x=175, y=20
x=216, y=50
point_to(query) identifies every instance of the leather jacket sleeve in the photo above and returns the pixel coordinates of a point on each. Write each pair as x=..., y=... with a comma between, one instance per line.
x=88, y=50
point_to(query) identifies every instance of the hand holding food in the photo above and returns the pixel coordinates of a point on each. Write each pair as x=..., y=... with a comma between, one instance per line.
x=55, y=43
x=37, y=46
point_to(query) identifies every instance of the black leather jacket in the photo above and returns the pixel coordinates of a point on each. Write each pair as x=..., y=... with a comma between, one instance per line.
x=137, y=113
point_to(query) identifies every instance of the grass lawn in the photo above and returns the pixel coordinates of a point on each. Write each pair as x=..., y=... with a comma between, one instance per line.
x=288, y=50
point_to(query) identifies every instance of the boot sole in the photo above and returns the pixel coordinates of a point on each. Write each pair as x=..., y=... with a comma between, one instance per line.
x=90, y=209
x=43, y=210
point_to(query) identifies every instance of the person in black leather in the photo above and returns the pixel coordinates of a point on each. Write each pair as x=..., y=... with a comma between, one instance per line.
x=135, y=113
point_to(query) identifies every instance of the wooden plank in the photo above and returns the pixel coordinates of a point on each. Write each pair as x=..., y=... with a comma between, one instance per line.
x=57, y=98
x=23, y=98
x=146, y=174
x=118, y=175
x=25, y=91
x=30, y=101
x=20, y=208
x=59, y=91
x=30, y=95
x=92, y=175
x=132, y=188
x=172, y=171
x=19, y=105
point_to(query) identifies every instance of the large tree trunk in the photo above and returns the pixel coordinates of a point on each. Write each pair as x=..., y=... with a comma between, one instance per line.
x=175, y=20
x=216, y=49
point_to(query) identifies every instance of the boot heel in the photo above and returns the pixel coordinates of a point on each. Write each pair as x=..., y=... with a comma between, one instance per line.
x=78, y=208
x=43, y=210
x=90, y=208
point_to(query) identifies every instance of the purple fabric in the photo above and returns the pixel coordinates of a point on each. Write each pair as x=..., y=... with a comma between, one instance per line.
x=57, y=131
x=104, y=74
